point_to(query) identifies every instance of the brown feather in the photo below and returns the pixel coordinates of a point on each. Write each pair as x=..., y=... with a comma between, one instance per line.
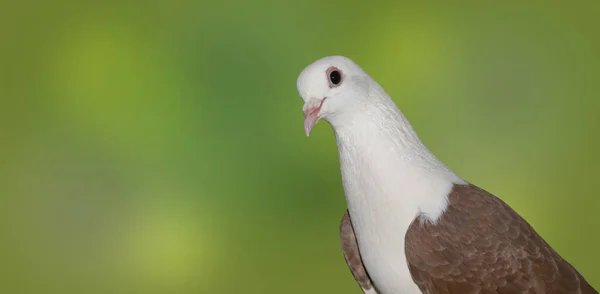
x=352, y=255
x=481, y=245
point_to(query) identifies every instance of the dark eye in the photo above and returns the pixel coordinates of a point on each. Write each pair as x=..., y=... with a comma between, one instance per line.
x=335, y=77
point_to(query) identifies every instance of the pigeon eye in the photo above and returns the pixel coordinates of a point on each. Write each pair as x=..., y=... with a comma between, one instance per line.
x=335, y=77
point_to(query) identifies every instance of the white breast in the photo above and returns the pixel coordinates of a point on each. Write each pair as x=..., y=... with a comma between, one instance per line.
x=386, y=187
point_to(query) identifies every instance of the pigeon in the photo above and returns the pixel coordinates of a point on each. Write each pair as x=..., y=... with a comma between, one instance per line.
x=412, y=225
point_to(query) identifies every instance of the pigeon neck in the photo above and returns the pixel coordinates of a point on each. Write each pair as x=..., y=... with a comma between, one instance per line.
x=384, y=163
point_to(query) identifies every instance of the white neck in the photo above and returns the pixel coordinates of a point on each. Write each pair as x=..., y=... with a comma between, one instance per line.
x=380, y=151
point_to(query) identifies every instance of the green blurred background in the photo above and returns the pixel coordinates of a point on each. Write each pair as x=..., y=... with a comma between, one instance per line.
x=158, y=147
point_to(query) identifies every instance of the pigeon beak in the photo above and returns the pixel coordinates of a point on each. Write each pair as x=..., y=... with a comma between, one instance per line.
x=311, y=110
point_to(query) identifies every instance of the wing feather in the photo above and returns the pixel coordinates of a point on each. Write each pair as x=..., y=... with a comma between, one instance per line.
x=352, y=255
x=481, y=245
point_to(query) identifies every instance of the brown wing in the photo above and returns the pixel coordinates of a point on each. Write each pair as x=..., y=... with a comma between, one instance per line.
x=481, y=245
x=352, y=255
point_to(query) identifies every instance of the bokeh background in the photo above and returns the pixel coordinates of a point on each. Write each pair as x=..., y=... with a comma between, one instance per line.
x=158, y=146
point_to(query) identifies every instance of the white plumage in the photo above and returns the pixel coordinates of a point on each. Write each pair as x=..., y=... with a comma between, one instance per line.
x=389, y=176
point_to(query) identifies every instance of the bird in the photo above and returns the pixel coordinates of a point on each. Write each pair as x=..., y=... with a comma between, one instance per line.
x=412, y=225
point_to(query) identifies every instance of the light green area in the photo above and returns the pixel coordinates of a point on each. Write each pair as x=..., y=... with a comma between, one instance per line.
x=158, y=147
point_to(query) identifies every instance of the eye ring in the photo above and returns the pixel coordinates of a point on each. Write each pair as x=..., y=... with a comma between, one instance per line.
x=335, y=77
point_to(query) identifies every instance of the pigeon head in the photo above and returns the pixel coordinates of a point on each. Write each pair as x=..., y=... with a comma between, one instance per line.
x=332, y=88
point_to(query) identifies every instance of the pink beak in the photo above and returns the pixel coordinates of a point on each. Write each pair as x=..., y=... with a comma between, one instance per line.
x=311, y=114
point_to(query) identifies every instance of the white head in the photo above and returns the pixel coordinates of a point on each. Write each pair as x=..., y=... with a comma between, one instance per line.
x=330, y=87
